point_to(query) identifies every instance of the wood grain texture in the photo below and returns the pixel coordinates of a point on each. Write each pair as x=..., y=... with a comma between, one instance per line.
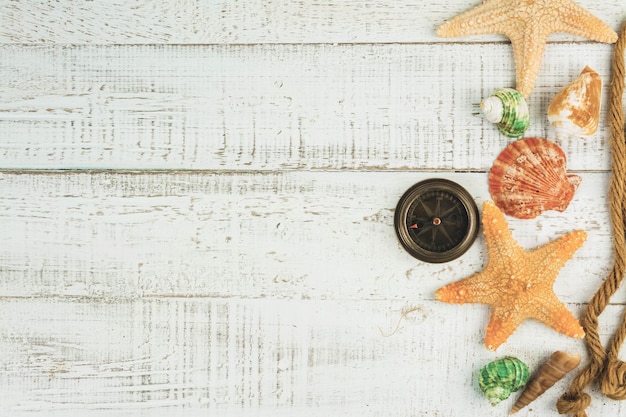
x=274, y=107
x=187, y=357
x=235, y=253
x=245, y=21
x=294, y=235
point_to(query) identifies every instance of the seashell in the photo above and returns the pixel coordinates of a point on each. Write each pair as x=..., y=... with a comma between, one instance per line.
x=500, y=378
x=575, y=110
x=529, y=177
x=508, y=109
x=559, y=364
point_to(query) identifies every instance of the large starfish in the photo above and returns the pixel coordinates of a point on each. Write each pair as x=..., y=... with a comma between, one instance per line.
x=517, y=283
x=528, y=23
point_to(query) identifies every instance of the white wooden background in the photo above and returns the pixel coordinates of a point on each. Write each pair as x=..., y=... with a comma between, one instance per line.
x=196, y=207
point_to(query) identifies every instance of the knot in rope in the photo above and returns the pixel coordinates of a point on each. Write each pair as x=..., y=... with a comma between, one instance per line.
x=574, y=404
x=613, y=382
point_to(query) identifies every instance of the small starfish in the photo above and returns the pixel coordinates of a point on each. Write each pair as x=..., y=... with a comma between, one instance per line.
x=517, y=283
x=528, y=23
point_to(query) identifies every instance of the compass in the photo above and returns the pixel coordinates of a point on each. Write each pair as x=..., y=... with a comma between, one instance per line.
x=436, y=220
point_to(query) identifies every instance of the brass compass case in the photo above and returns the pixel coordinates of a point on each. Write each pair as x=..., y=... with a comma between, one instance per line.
x=436, y=220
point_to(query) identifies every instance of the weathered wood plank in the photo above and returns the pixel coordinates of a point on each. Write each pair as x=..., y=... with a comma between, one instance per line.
x=249, y=21
x=257, y=281
x=282, y=235
x=273, y=107
x=180, y=357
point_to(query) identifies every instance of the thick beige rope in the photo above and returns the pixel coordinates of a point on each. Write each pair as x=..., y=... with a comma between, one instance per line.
x=613, y=382
x=603, y=364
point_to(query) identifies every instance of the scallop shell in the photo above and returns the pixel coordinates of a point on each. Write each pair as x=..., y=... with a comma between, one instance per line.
x=559, y=364
x=508, y=109
x=575, y=110
x=529, y=177
x=500, y=378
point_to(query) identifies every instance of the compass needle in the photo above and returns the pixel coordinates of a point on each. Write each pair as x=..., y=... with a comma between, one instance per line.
x=445, y=233
x=450, y=210
x=433, y=237
x=427, y=209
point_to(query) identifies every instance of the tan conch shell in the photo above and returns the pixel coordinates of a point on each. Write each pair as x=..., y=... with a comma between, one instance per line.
x=575, y=110
x=559, y=364
x=529, y=177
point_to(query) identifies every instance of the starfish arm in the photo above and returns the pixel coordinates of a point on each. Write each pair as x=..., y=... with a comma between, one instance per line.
x=486, y=18
x=503, y=321
x=528, y=48
x=498, y=237
x=578, y=21
x=553, y=313
x=468, y=290
x=555, y=254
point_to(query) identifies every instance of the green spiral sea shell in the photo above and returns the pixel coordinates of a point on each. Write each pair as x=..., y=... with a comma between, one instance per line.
x=500, y=378
x=508, y=109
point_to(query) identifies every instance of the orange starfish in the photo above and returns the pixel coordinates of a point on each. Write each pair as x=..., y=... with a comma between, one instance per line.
x=517, y=283
x=528, y=23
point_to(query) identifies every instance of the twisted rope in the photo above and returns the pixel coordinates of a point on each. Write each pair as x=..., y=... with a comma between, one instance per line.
x=613, y=382
x=603, y=364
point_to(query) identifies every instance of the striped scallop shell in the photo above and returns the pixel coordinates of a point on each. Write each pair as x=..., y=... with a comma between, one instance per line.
x=575, y=110
x=508, y=109
x=529, y=177
x=500, y=378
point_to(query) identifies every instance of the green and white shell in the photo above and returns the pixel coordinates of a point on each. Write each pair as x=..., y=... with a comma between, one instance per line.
x=500, y=378
x=508, y=109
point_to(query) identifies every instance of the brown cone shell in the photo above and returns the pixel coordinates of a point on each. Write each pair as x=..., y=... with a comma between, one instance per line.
x=559, y=364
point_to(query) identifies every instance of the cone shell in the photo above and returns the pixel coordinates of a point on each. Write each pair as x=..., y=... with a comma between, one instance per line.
x=559, y=364
x=575, y=110
x=500, y=378
x=508, y=109
x=529, y=177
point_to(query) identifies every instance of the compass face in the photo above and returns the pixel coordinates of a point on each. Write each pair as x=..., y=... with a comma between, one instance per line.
x=436, y=220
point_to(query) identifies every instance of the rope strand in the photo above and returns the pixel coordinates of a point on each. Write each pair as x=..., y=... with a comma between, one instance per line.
x=613, y=382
